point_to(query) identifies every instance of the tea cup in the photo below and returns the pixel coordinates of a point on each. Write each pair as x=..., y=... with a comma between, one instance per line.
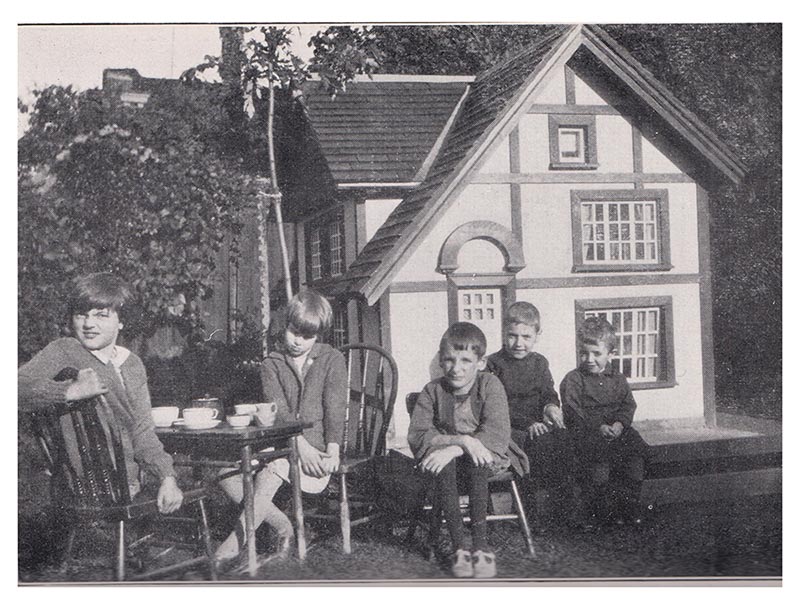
x=197, y=416
x=165, y=415
x=266, y=413
x=239, y=420
x=245, y=408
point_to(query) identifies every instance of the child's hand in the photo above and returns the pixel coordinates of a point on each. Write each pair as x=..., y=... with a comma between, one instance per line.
x=553, y=416
x=86, y=385
x=170, y=496
x=310, y=458
x=537, y=429
x=617, y=429
x=330, y=459
x=478, y=452
x=438, y=459
x=607, y=432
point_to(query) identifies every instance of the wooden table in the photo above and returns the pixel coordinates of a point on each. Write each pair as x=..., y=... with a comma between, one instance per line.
x=225, y=447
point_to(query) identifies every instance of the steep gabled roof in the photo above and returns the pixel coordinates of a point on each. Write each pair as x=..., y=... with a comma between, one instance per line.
x=489, y=95
x=381, y=131
x=492, y=101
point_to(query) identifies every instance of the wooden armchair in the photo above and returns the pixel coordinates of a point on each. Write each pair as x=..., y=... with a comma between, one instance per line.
x=90, y=483
x=372, y=379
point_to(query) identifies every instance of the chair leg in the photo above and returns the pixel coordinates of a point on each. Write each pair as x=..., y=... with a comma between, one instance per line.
x=212, y=561
x=120, y=558
x=344, y=514
x=523, y=519
x=65, y=561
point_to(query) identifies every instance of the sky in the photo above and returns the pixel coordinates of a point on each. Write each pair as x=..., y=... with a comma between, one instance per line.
x=77, y=55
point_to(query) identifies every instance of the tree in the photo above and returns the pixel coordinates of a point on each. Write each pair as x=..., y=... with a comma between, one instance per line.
x=148, y=193
x=265, y=64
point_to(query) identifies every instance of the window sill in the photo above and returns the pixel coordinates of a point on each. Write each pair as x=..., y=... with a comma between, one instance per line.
x=571, y=166
x=621, y=268
x=646, y=386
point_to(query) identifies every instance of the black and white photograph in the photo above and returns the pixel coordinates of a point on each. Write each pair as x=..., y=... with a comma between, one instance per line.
x=399, y=303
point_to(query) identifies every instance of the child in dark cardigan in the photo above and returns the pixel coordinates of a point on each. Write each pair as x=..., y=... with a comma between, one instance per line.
x=599, y=410
x=460, y=427
x=308, y=381
x=537, y=423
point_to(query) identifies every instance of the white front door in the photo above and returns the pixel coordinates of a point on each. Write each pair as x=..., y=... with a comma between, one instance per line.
x=483, y=307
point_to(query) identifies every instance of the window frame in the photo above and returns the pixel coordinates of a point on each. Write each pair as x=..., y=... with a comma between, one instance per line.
x=661, y=199
x=588, y=123
x=667, y=378
x=340, y=310
x=324, y=226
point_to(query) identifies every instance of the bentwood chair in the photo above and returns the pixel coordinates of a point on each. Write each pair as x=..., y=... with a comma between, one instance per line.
x=502, y=481
x=90, y=484
x=372, y=379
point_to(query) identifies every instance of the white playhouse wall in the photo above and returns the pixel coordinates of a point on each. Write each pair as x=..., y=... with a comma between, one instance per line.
x=418, y=317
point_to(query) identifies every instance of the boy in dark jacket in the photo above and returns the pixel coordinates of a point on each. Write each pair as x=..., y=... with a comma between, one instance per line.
x=599, y=409
x=536, y=418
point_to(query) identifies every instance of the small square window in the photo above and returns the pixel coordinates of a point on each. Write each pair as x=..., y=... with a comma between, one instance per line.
x=573, y=142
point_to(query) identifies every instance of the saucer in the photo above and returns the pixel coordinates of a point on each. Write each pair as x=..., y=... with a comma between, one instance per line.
x=199, y=426
x=165, y=425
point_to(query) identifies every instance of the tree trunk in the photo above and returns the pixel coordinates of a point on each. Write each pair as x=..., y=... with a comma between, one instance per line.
x=276, y=193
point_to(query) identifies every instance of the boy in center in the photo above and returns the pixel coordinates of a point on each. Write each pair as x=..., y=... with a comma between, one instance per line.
x=460, y=429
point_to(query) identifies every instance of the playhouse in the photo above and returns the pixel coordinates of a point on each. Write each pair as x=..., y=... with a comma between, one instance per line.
x=566, y=176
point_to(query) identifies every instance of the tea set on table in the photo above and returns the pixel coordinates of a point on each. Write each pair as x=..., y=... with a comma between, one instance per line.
x=208, y=413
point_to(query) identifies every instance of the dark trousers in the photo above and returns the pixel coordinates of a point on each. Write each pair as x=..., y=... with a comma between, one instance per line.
x=611, y=474
x=461, y=473
x=552, y=462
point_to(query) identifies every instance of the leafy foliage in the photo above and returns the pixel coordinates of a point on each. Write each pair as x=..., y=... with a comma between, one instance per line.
x=149, y=194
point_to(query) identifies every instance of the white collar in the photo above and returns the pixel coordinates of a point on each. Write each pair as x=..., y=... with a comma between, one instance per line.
x=117, y=357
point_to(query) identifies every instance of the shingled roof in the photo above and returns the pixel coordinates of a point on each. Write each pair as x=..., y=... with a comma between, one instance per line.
x=489, y=104
x=487, y=97
x=381, y=131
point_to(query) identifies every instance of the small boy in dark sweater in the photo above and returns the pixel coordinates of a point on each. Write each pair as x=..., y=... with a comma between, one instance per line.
x=599, y=410
x=536, y=418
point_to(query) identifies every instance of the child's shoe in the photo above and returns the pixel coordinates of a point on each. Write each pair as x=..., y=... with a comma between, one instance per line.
x=462, y=564
x=483, y=564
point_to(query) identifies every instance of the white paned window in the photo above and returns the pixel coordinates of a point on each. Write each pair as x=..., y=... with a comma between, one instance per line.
x=639, y=347
x=337, y=253
x=340, y=337
x=619, y=232
x=316, y=254
x=482, y=307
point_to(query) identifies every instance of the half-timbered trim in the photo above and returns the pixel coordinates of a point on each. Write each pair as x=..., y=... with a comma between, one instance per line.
x=638, y=162
x=579, y=281
x=620, y=230
x=645, y=352
x=597, y=110
x=706, y=304
x=569, y=85
x=599, y=178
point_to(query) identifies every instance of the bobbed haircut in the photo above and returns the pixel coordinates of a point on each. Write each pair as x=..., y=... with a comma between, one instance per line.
x=309, y=314
x=595, y=330
x=99, y=291
x=522, y=312
x=464, y=336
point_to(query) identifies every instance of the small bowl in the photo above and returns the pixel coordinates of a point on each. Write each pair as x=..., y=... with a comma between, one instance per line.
x=239, y=421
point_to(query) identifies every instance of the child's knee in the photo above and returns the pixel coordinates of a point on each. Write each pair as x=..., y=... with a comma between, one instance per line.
x=599, y=474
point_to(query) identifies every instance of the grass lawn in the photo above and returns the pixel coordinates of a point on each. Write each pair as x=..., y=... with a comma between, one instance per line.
x=714, y=539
